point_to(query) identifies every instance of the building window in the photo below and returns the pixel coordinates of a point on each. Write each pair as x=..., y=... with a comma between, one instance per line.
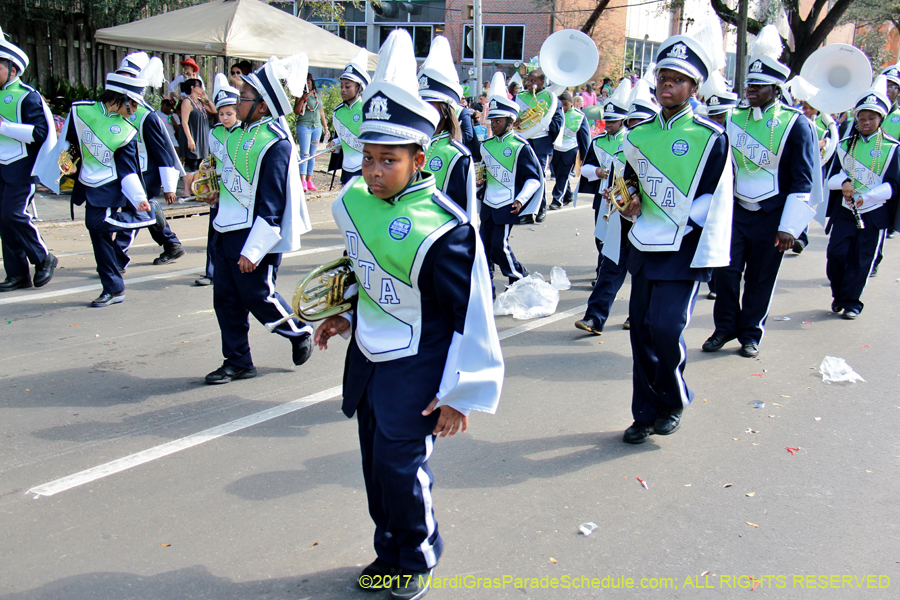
x=501, y=42
x=639, y=54
x=730, y=66
x=421, y=36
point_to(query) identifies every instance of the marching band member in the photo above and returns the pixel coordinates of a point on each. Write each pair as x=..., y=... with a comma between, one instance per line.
x=541, y=135
x=225, y=97
x=776, y=184
x=614, y=249
x=109, y=174
x=26, y=132
x=598, y=159
x=160, y=166
x=447, y=158
x=514, y=182
x=576, y=137
x=347, y=116
x=865, y=182
x=682, y=220
x=891, y=125
x=262, y=213
x=424, y=349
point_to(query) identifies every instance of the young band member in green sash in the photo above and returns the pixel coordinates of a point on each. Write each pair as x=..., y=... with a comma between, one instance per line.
x=347, y=116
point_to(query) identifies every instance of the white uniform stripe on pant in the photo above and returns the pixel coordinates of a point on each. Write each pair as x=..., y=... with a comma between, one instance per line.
x=682, y=387
x=31, y=224
x=762, y=322
x=508, y=254
x=425, y=483
x=270, y=281
x=881, y=238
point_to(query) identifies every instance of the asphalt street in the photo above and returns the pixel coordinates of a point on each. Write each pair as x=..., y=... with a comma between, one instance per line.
x=122, y=475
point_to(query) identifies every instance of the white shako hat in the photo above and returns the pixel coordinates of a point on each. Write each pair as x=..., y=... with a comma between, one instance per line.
x=141, y=66
x=799, y=89
x=616, y=106
x=356, y=69
x=696, y=54
x=132, y=87
x=438, y=79
x=224, y=94
x=641, y=103
x=267, y=81
x=876, y=98
x=393, y=112
x=892, y=73
x=13, y=53
x=499, y=105
x=763, y=67
x=718, y=98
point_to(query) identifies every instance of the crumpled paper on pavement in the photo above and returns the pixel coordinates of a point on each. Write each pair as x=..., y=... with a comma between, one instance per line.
x=528, y=298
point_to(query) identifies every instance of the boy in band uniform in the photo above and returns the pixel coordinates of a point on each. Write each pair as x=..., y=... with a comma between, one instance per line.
x=347, y=116
x=514, y=184
x=542, y=135
x=866, y=174
x=891, y=124
x=576, y=137
x=262, y=213
x=682, y=224
x=160, y=167
x=26, y=131
x=424, y=349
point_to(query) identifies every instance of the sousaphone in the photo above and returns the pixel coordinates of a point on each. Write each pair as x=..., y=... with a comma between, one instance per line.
x=841, y=72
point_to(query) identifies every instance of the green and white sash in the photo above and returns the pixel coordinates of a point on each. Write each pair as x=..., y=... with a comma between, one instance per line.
x=761, y=145
x=569, y=132
x=100, y=135
x=346, y=122
x=500, y=156
x=867, y=166
x=10, y=109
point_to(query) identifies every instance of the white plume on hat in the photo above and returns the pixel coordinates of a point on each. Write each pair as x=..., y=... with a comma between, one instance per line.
x=801, y=89
x=153, y=72
x=622, y=93
x=220, y=83
x=708, y=33
x=292, y=70
x=439, y=66
x=517, y=79
x=767, y=43
x=498, y=86
x=650, y=75
x=715, y=85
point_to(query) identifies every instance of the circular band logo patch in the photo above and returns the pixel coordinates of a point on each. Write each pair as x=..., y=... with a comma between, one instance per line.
x=773, y=123
x=874, y=152
x=247, y=145
x=895, y=119
x=8, y=99
x=680, y=147
x=356, y=117
x=399, y=228
x=115, y=129
x=507, y=152
x=435, y=164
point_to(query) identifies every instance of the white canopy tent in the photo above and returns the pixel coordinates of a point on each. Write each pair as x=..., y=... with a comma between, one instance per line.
x=247, y=29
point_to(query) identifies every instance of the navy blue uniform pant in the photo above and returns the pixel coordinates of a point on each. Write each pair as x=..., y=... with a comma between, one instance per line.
x=660, y=311
x=850, y=258
x=561, y=165
x=163, y=236
x=211, y=236
x=348, y=175
x=610, y=277
x=20, y=238
x=398, y=488
x=238, y=295
x=755, y=257
x=495, y=237
x=103, y=224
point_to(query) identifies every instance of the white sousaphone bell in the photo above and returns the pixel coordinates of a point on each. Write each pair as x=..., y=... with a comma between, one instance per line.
x=841, y=72
x=569, y=57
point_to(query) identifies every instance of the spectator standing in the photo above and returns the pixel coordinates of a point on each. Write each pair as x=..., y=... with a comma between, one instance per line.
x=310, y=124
x=193, y=135
x=589, y=95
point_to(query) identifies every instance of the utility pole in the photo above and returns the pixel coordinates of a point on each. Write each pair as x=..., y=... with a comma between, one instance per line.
x=478, y=50
x=371, y=42
x=740, y=66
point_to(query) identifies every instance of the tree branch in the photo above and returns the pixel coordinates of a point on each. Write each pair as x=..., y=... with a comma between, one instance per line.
x=591, y=22
x=816, y=38
x=731, y=16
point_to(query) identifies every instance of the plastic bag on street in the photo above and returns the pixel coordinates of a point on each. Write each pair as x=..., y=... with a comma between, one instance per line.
x=558, y=279
x=837, y=369
x=528, y=298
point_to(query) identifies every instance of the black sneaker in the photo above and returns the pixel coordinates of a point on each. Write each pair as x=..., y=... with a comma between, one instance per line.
x=377, y=577
x=170, y=254
x=302, y=349
x=105, y=299
x=410, y=585
x=589, y=325
x=556, y=205
x=227, y=373
x=43, y=272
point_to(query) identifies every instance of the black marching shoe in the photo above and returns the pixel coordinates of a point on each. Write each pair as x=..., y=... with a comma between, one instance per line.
x=667, y=421
x=541, y=215
x=715, y=342
x=105, y=299
x=43, y=272
x=589, y=325
x=798, y=247
x=301, y=349
x=711, y=296
x=410, y=585
x=227, y=373
x=555, y=205
x=637, y=433
x=836, y=306
x=15, y=283
x=849, y=314
x=627, y=323
x=169, y=254
x=526, y=220
x=376, y=577
x=203, y=281
x=749, y=350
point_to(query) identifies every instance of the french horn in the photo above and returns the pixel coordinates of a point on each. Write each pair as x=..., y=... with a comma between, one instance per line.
x=68, y=162
x=321, y=293
x=207, y=183
x=621, y=191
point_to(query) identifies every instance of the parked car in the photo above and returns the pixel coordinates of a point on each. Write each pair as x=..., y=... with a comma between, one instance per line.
x=323, y=83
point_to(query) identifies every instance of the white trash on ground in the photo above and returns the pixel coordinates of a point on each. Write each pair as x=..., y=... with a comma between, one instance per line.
x=528, y=298
x=587, y=528
x=558, y=279
x=837, y=369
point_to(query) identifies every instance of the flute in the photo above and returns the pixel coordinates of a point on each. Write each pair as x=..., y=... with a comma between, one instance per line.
x=855, y=210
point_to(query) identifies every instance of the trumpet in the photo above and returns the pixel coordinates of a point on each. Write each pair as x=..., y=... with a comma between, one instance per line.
x=208, y=181
x=321, y=293
x=620, y=192
x=480, y=171
x=533, y=115
x=68, y=162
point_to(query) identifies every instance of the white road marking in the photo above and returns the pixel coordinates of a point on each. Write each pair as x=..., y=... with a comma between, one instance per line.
x=145, y=456
x=26, y=297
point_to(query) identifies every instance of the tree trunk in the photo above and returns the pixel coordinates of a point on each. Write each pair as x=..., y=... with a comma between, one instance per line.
x=71, y=68
x=591, y=22
x=42, y=54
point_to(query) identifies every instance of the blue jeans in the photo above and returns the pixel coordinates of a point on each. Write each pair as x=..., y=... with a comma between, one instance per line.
x=308, y=139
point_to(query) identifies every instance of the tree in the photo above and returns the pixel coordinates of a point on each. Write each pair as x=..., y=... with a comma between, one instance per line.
x=876, y=17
